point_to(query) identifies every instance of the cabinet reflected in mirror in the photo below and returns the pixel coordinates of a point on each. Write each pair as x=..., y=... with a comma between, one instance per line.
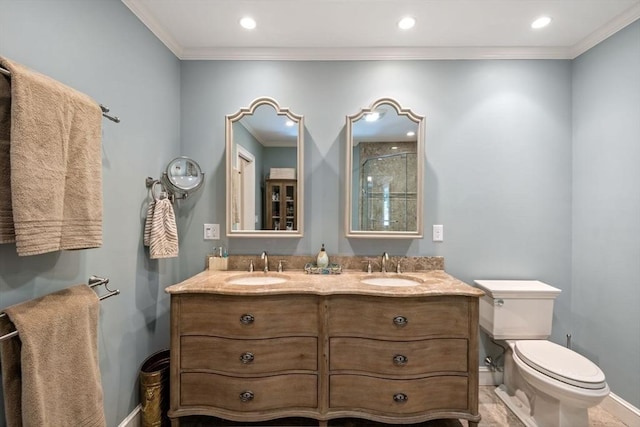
x=384, y=172
x=264, y=160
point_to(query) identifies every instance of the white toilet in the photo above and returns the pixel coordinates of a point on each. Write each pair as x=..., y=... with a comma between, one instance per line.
x=545, y=384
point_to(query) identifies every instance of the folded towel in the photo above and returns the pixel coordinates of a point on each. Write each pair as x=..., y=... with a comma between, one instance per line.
x=54, y=374
x=7, y=232
x=164, y=233
x=56, y=164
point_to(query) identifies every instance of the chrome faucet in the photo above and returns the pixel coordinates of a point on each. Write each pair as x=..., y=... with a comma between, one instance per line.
x=265, y=257
x=385, y=258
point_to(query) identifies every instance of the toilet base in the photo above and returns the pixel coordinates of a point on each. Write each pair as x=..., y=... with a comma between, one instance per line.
x=547, y=411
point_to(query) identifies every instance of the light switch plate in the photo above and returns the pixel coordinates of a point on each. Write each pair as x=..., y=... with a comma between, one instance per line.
x=438, y=232
x=211, y=231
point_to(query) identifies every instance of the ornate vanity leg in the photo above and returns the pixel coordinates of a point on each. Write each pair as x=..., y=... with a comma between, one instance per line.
x=323, y=423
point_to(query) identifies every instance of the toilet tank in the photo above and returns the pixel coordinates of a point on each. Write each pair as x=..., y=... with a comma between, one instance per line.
x=516, y=309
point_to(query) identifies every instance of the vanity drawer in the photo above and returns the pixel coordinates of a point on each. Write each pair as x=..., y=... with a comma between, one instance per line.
x=398, y=397
x=248, y=356
x=249, y=394
x=398, y=357
x=248, y=317
x=398, y=318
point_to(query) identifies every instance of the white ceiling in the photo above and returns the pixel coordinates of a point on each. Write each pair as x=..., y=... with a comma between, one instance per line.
x=366, y=29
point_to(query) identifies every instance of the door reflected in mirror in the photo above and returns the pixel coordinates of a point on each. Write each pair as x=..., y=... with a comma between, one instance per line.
x=384, y=172
x=264, y=144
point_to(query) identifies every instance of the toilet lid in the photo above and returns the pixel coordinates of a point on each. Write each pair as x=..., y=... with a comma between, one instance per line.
x=560, y=363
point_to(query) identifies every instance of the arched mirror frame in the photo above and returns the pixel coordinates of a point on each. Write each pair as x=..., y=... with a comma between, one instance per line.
x=419, y=120
x=229, y=121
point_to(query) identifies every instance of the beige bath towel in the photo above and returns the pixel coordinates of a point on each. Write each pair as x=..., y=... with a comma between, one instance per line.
x=163, y=240
x=56, y=354
x=7, y=233
x=56, y=164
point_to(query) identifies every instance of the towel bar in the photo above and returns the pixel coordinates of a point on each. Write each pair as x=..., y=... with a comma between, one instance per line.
x=104, y=109
x=93, y=282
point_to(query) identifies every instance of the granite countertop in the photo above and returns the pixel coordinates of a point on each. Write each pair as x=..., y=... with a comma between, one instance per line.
x=428, y=283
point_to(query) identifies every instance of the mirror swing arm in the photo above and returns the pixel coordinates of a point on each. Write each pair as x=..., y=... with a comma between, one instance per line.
x=382, y=197
x=246, y=120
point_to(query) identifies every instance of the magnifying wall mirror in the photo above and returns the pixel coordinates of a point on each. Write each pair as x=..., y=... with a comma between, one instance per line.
x=384, y=172
x=182, y=177
x=264, y=155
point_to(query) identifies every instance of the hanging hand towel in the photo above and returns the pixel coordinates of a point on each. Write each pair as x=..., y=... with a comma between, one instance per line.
x=50, y=371
x=164, y=233
x=56, y=164
x=148, y=223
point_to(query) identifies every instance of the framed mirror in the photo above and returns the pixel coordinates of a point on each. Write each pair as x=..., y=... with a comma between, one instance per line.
x=264, y=156
x=384, y=172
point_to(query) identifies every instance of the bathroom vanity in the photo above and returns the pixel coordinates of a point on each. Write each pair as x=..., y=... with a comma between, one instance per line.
x=253, y=346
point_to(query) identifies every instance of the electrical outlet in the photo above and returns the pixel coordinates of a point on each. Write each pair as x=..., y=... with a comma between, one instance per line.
x=438, y=232
x=212, y=232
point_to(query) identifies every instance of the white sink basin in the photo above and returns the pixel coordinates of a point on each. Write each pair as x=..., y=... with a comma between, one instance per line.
x=390, y=281
x=257, y=279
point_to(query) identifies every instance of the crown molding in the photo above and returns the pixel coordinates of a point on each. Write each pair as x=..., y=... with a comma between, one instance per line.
x=375, y=54
x=152, y=24
x=618, y=23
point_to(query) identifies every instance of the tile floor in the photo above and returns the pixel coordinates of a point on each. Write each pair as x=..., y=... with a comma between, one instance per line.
x=494, y=414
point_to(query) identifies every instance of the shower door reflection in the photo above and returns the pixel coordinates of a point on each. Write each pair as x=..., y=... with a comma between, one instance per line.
x=388, y=185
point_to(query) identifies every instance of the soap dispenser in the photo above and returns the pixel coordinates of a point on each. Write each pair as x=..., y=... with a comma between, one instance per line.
x=323, y=259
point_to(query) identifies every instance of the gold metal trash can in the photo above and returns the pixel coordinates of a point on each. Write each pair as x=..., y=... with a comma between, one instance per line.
x=154, y=390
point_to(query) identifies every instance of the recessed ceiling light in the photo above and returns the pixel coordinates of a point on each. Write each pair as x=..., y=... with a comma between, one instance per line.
x=411, y=133
x=372, y=117
x=406, y=23
x=289, y=123
x=541, y=22
x=248, y=23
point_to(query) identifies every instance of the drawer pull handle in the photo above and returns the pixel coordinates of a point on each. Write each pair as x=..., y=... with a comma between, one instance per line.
x=400, y=397
x=246, y=357
x=246, y=396
x=400, y=360
x=400, y=321
x=247, y=319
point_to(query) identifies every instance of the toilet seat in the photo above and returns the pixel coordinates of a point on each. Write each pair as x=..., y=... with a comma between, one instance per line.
x=560, y=363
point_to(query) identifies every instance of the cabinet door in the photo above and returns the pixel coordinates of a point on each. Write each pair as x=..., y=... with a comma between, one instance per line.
x=289, y=206
x=281, y=205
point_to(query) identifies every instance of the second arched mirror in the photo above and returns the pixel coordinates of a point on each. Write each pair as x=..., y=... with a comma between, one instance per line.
x=264, y=156
x=384, y=172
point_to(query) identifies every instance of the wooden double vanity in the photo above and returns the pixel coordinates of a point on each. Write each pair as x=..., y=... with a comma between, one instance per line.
x=259, y=346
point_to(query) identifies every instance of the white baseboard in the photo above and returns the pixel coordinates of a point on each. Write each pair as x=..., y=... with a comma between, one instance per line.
x=490, y=376
x=626, y=412
x=133, y=419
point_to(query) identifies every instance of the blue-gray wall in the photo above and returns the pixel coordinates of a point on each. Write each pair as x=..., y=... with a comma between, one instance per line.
x=99, y=47
x=498, y=149
x=503, y=138
x=606, y=209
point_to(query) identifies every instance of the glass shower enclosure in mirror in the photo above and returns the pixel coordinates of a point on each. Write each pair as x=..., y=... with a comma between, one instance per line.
x=384, y=172
x=264, y=160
